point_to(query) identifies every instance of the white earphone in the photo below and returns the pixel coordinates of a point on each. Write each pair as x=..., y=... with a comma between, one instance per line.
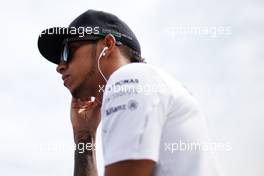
x=103, y=53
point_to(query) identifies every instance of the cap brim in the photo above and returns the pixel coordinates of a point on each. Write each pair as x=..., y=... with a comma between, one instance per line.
x=50, y=41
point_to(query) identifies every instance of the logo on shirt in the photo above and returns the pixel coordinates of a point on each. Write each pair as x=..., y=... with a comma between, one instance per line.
x=115, y=109
x=127, y=81
x=123, y=82
x=125, y=92
x=131, y=105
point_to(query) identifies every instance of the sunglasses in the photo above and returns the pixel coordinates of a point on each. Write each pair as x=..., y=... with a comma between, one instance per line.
x=66, y=51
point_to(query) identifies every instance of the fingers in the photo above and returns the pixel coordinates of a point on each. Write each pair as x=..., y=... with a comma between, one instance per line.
x=86, y=103
x=86, y=107
x=82, y=99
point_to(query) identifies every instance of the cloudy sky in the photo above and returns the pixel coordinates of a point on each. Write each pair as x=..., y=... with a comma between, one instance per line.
x=213, y=47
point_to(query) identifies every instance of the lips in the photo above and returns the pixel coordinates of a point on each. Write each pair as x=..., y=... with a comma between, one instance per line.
x=65, y=78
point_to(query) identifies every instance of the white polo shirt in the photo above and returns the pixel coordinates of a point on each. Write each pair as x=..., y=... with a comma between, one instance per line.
x=146, y=114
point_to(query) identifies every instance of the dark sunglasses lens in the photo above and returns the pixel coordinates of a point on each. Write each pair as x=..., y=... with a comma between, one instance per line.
x=65, y=53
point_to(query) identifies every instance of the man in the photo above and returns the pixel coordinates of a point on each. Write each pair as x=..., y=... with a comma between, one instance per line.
x=147, y=116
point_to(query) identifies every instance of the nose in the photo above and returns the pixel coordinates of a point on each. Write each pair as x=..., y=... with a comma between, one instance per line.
x=61, y=68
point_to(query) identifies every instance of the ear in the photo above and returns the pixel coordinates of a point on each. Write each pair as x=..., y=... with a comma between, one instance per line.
x=110, y=42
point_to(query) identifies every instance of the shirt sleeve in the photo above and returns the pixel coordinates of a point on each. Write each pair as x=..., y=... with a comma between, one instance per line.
x=132, y=119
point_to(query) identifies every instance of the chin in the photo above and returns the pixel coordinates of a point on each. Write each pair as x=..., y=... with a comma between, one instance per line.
x=81, y=90
x=75, y=93
x=78, y=93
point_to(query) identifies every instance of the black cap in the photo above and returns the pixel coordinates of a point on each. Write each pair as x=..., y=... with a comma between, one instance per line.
x=91, y=25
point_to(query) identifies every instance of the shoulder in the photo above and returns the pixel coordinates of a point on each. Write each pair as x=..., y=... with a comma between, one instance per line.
x=134, y=69
x=140, y=73
x=134, y=80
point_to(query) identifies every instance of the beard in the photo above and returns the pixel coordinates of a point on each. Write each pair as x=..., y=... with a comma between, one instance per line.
x=86, y=89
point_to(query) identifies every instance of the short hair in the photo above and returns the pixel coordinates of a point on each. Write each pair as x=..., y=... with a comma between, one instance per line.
x=131, y=54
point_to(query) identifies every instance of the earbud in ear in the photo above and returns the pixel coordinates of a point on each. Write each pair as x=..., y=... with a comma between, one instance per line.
x=104, y=51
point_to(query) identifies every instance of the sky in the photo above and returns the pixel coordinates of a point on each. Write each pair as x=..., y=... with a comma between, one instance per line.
x=214, y=47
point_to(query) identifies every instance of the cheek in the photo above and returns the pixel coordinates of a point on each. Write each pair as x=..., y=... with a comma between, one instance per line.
x=81, y=65
x=80, y=69
x=80, y=73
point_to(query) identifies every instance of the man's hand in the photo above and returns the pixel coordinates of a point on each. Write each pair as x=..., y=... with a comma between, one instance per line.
x=85, y=118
